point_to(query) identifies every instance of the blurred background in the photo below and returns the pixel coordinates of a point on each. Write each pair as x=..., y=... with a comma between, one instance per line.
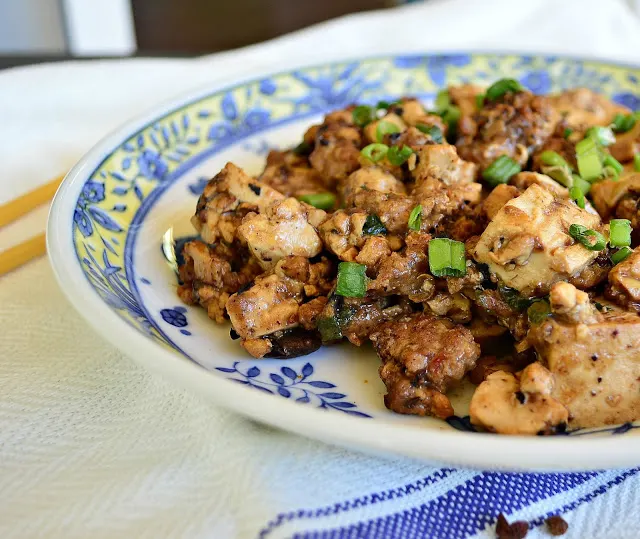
x=69, y=28
x=44, y=30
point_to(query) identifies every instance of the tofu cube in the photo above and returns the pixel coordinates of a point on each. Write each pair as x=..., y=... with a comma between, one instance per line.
x=527, y=243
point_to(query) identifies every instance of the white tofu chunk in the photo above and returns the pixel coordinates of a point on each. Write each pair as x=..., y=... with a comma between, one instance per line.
x=527, y=243
x=286, y=228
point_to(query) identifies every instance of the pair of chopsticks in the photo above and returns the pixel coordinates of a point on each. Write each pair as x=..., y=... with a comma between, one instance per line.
x=20, y=254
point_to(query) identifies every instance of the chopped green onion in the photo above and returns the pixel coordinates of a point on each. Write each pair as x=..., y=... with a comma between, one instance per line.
x=385, y=128
x=581, y=184
x=352, y=280
x=415, y=218
x=447, y=111
x=479, y=101
x=304, y=148
x=603, y=135
x=610, y=161
x=589, y=166
x=567, y=132
x=620, y=255
x=539, y=311
x=553, y=158
x=375, y=152
x=451, y=117
x=322, y=201
x=386, y=104
x=598, y=243
x=591, y=239
x=588, y=157
x=334, y=318
x=446, y=258
x=433, y=131
x=373, y=226
x=556, y=167
x=560, y=174
x=636, y=162
x=329, y=329
x=577, y=196
x=501, y=170
x=623, y=122
x=576, y=230
x=620, y=232
x=443, y=101
x=398, y=156
x=501, y=87
x=363, y=115
x=586, y=145
x=602, y=308
x=609, y=173
x=513, y=298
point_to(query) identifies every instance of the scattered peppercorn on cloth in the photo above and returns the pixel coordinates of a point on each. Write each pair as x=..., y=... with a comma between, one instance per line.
x=91, y=445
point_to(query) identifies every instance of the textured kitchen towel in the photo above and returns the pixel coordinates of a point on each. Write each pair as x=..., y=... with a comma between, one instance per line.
x=91, y=445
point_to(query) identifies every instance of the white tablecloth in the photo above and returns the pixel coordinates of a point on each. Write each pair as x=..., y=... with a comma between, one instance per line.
x=93, y=446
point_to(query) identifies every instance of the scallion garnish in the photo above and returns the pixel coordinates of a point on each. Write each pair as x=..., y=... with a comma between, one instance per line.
x=591, y=239
x=549, y=157
x=447, y=111
x=386, y=105
x=304, y=148
x=577, y=196
x=538, y=311
x=623, y=122
x=415, y=218
x=433, y=131
x=398, y=156
x=451, y=117
x=560, y=174
x=446, y=258
x=589, y=160
x=322, y=201
x=620, y=255
x=603, y=135
x=352, y=280
x=385, y=128
x=501, y=87
x=373, y=226
x=636, y=162
x=363, y=115
x=501, y=170
x=610, y=161
x=513, y=298
x=567, y=132
x=581, y=184
x=443, y=100
x=620, y=232
x=375, y=152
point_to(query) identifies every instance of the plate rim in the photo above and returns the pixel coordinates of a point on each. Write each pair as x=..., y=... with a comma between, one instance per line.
x=445, y=445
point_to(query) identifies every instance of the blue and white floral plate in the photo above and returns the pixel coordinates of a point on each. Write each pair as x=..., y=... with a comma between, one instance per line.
x=108, y=218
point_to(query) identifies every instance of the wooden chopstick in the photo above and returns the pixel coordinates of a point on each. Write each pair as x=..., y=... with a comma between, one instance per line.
x=20, y=254
x=34, y=247
x=15, y=209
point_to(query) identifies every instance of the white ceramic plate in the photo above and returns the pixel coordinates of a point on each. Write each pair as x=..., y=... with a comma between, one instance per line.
x=105, y=233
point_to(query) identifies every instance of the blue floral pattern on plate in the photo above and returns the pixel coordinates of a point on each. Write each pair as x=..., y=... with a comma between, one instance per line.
x=290, y=384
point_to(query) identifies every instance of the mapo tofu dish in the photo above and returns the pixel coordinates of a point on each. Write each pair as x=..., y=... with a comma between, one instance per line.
x=492, y=237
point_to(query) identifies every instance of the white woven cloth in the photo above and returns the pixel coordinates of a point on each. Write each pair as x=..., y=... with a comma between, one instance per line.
x=93, y=446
